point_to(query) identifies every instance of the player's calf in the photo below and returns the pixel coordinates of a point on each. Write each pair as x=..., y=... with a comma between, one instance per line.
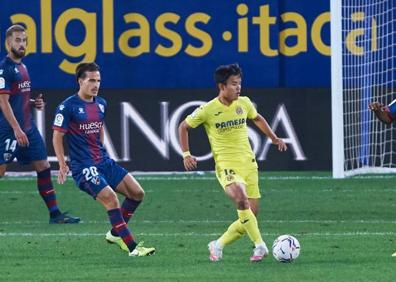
x=2, y=170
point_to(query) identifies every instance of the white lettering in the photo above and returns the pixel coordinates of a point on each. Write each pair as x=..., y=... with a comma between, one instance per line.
x=108, y=144
x=128, y=112
x=91, y=126
x=24, y=86
x=281, y=117
x=174, y=124
x=168, y=135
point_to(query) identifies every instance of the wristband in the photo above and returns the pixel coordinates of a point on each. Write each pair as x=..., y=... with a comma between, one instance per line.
x=186, y=154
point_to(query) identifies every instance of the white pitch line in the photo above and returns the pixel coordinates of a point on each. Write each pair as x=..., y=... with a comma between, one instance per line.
x=194, y=234
x=211, y=176
x=264, y=190
x=19, y=192
x=327, y=221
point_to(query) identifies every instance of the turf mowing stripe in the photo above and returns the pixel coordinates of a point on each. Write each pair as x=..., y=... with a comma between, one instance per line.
x=362, y=221
x=194, y=234
x=210, y=178
x=280, y=190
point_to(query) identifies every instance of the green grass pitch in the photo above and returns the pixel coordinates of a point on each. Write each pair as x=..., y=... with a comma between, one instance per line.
x=347, y=231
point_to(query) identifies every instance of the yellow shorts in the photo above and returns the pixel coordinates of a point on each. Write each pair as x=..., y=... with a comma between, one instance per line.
x=249, y=177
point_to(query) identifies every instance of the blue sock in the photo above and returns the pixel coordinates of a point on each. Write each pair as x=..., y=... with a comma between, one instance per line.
x=47, y=191
x=128, y=207
x=121, y=227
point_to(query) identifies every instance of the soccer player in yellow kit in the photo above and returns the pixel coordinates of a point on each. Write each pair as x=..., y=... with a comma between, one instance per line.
x=224, y=119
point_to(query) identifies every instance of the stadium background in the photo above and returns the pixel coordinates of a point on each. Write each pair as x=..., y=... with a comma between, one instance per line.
x=157, y=59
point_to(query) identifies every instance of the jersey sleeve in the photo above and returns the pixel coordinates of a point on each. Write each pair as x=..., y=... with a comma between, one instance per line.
x=62, y=118
x=197, y=117
x=5, y=81
x=251, y=110
x=104, y=103
x=391, y=109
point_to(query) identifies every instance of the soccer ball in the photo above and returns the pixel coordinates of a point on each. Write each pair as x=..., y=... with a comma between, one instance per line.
x=286, y=248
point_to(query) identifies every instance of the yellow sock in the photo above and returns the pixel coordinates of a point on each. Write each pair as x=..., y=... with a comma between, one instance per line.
x=249, y=223
x=233, y=233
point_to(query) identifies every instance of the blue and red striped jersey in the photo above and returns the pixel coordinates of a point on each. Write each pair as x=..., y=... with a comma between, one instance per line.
x=82, y=122
x=15, y=81
x=392, y=109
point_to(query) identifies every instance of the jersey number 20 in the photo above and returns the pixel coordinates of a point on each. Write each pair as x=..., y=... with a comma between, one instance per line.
x=90, y=172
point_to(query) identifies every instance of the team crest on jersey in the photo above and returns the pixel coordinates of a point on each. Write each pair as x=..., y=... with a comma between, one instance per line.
x=7, y=156
x=80, y=110
x=95, y=180
x=239, y=111
x=61, y=107
x=101, y=107
x=16, y=70
x=1, y=72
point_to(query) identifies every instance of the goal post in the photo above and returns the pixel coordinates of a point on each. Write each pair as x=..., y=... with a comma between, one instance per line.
x=337, y=119
x=363, y=70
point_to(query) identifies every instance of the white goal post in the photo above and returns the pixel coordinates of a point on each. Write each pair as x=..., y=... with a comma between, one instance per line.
x=363, y=70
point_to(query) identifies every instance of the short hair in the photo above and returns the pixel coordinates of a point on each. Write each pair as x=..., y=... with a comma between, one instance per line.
x=223, y=72
x=84, y=67
x=14, y=28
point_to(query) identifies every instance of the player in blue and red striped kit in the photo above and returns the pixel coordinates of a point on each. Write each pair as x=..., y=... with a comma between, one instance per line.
x=19, y=136
x=81, y=118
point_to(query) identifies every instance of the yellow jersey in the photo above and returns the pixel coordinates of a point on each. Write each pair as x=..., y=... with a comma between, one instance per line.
x=226, y=127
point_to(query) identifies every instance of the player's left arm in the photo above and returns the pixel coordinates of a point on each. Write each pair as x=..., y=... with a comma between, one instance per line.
x=102, y=135
x=262, y=124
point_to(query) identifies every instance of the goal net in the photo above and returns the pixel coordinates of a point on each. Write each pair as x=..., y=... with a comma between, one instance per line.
x=363, y=71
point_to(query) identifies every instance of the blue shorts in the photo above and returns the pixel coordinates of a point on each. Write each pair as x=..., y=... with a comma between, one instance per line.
x=93, y=178
x=9, y=148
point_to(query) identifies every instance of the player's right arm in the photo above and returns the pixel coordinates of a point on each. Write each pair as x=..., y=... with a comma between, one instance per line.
x=57, y=141
x=60, y=127
x=381, y=112
x=192, y=121
x=190, y=163
x=8, y=113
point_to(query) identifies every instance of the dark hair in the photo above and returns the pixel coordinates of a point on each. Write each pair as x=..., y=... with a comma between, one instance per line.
x=14, y=28
x=84, y=67
x=223, y=72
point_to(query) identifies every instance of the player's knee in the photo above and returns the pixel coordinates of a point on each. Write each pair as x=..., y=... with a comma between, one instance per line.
x=41, y=166
x=111, y=203
x=112, y=199
x=242, y=203
x=140, y=195
x=108, y=198
x=134, y=194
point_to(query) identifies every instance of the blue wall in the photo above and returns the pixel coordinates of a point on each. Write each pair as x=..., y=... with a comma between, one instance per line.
x=175, y=44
